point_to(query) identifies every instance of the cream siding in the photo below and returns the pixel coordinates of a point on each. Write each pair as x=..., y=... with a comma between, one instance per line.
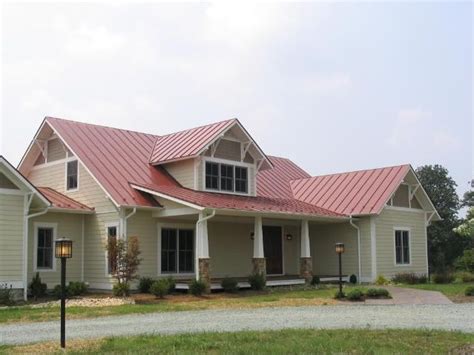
x=183, y=172
x=144, y=226
x=229, y=150
x=365, y=248
x=6, y=183
x=68, y=226
x=11, y=237
x=56, y=150
x=385, y=236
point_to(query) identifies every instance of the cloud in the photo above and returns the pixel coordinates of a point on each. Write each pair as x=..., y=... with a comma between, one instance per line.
x=408, y=124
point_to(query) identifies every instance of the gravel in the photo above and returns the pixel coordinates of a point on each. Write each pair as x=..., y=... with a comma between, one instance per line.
x=87, y=302
x=442, y=317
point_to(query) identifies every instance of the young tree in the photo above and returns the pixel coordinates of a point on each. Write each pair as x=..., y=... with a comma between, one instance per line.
x=444, y=245
x=124, y=259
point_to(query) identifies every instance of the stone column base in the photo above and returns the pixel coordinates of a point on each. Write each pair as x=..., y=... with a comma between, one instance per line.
x=306, y=268
x=259, y=266
x=205, y=272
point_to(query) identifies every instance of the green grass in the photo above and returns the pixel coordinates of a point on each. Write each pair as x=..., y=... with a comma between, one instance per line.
x=271, y=297
x=362, y=341
x=449, y=290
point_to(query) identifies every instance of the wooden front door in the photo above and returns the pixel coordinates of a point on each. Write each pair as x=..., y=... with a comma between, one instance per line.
x=272, y=248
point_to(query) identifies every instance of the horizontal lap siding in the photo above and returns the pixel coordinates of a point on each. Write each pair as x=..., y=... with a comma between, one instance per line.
x=322, y=241
x=183, y=172
x=11, y=237
x=56, y=150
x=385, y=224
x=144, y=226
x=365, y=247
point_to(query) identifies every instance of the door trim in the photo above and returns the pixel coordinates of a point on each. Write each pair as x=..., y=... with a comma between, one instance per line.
x=282, y=240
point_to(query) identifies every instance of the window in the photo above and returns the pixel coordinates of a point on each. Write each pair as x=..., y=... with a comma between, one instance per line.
x=177, y=250
x=71, y=175
x=225, y=177
x=111, y=237
x=44, y=248
x=402, y=247
x=241, y=181
x=212, y=176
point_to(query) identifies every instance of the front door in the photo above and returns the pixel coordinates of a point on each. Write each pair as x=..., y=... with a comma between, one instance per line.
x=272, y=248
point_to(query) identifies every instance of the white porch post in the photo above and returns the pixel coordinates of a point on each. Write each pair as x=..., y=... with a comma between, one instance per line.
x=258, y=260
x=306, y=264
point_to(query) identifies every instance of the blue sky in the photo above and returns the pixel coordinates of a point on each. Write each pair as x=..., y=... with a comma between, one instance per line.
x=334, y=87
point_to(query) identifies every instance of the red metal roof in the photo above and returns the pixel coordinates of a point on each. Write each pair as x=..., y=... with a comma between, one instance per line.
x=58, y=200
x=241, y=203
x=188, y=143
x=276, y=182
x=354, y=193
x=114, y=157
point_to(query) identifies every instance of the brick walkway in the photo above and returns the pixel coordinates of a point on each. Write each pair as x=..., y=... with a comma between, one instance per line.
x=411, y=296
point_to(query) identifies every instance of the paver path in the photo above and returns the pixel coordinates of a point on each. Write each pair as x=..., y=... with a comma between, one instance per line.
x=402, y=295
x=444, y=317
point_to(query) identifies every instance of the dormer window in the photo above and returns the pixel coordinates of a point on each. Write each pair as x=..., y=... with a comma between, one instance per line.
x=226, y=177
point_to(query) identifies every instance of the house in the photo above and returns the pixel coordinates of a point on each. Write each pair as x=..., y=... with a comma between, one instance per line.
x=205, y=203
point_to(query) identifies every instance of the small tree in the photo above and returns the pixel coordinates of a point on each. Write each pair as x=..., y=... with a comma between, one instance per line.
x=124, y=259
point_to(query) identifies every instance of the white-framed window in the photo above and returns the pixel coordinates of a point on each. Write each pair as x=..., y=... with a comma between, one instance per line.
x=402, y=246
x=72, y=175
x=112, y=233
x=226, y=177
x=177, y=250
x=45, y=235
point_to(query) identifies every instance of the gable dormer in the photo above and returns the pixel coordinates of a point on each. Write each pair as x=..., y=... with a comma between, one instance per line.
x=221, y=157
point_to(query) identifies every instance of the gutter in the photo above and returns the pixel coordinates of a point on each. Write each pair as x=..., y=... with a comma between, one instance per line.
x=358, y=245
x=196, y=262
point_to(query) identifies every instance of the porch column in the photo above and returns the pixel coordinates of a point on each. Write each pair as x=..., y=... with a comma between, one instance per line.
x=258, y=260
x=203, y=271
x=306, y=264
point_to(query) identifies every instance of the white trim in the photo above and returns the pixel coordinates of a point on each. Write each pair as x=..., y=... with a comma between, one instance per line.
x=12, y=192
x=228, y=161
x=373, y=247
x=38, y=225
x=234, y=164
x=177, y=226
x=405, y=209
x=173, y=212
x=426, y=195
x=115, y=224
x=403, y=229
x=13, y=284
x=162, y=195
x=82, y=246
x=426, y=247
x=52, y=163
x=101, y=285
x=65, y=175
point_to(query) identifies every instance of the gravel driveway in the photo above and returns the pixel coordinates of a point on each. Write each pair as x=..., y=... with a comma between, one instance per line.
x=443, y=317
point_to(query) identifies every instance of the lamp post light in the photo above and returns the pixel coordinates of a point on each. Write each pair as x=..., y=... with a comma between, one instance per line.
x=340, y=251
x=63, y=251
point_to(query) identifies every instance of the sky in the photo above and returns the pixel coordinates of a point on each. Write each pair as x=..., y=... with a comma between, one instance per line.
x=333, y=86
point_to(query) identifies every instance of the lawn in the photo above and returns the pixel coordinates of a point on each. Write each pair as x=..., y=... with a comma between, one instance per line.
x=352, y=341
x=454, y=291
x=297, y=296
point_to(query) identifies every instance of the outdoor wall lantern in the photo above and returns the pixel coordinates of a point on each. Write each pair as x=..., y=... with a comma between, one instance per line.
x=340, y=250
x=63, y=251
x=289, y=237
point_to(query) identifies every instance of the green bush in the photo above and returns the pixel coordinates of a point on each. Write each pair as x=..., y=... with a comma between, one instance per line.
x=37, y=288
x=197, y=287
x=409, y=278
x=121, y=290
x=377, y=293
x=171, y=284
x=77, y=288
x=230, y=284
x=315, y=280
x=144, y=284
x=57, y=292
x=353, y=279
x=469, y=291
x=160, y=288
x=257, y=281
x=381, y=280
x=6, y=295
x=464, y=276
x=355, y=294
x=443, y=278
x=466, y=261
x=339, y=295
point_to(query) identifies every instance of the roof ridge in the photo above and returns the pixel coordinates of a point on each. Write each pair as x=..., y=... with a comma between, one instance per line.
x=197, y=127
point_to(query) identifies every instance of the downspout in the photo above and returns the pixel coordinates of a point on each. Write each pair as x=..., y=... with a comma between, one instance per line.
x=196, y=247
x=358, y=245
x=124, y=223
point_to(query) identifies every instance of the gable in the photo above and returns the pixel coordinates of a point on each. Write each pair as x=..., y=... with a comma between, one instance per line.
x=6, y=183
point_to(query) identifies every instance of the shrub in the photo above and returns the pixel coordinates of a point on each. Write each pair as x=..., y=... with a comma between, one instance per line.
x=57, y=292
x=76, y=288
x=37, y=288
x=443, y=278
x=171, y=283
x=353, y=279
x=160, y=288
x=121, y=290
x=377, y=293
x=6, y=295
x=409, y=278
x=339, y=295
x=381, y=280
x=464, y=276
x=144, y=284
x=466, y=261
x=230, y=284
x=197, y=287
x=469, y=291
x=315, y=280
x=257, y=281
x=355, y=294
